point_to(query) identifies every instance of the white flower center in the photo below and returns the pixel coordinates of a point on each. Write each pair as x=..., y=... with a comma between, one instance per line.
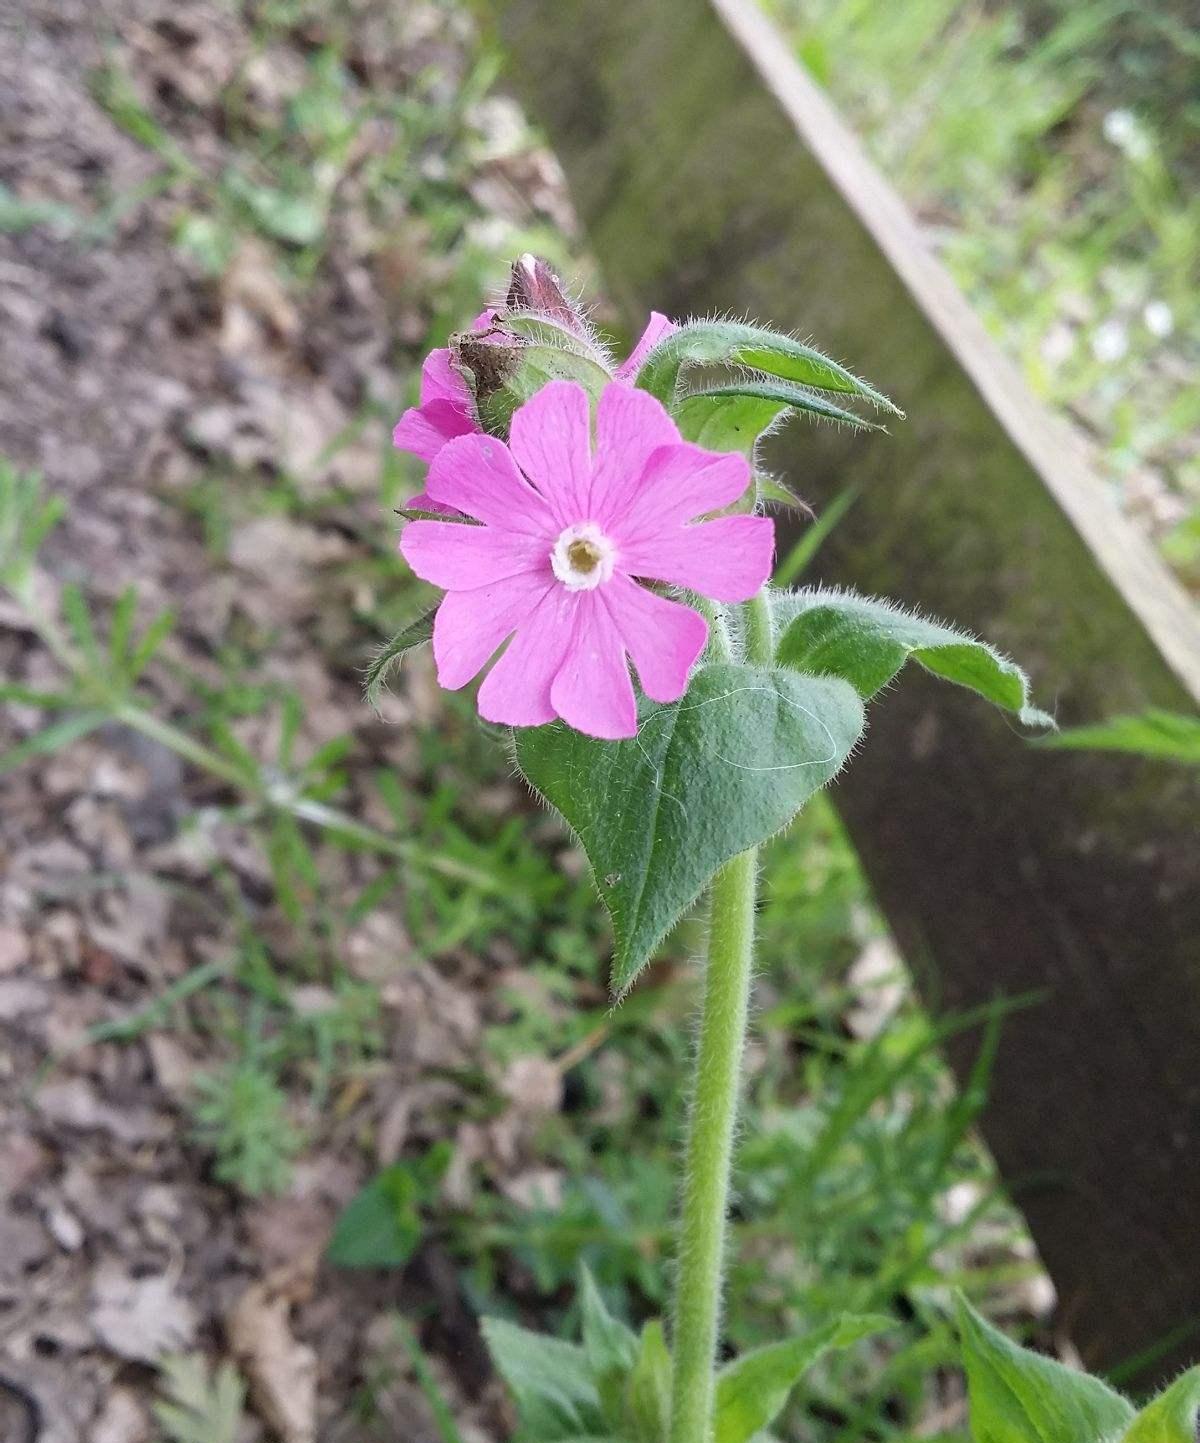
x=583, y=557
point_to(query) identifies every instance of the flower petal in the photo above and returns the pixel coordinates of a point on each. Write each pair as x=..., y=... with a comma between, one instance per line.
x=458, y=557
x=678, y=484
x=470, y=625
x=728, y=559
x=663, y=637
x=550, y=437
x=630, y=425
x=425, y=429
x=658, y=328
x=592, y=691
x=516, y=692
x=441, y=382
x=477, y=476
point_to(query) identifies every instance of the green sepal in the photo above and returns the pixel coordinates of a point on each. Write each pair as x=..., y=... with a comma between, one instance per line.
x=734, y=343
x=1017, y=1396
x=544, y=330
x=866, y=642
x=1172, y=1417
x=753, y=1390
x=417, y=633
x=550, y=1381
x=502, y=377
x=721, y=770
x=648, y=1392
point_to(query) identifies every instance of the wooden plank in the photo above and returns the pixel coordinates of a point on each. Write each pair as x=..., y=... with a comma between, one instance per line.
x=712, y=176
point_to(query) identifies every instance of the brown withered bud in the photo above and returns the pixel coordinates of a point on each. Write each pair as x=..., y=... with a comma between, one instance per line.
x=533, y=286
x=492, y=358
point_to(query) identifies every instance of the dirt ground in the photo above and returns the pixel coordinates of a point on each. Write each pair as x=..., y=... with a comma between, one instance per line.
x=128, y=375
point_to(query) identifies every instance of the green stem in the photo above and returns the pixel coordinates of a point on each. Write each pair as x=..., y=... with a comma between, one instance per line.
x=760, y=639
x=710, y=1147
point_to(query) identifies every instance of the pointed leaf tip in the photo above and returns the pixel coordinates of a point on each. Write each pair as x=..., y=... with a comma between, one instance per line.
x=747, y=745
x=866, y=642
x=417, y=633
x=1018, y=1396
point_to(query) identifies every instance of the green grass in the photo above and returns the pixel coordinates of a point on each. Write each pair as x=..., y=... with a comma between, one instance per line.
x=1049, y=149
x=850, y=1146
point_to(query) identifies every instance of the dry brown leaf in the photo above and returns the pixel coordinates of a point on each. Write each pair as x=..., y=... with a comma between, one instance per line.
x=282, y=1371
x=140, y=1318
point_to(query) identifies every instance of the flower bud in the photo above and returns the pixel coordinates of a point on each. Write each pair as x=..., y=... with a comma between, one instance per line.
x=536, y=289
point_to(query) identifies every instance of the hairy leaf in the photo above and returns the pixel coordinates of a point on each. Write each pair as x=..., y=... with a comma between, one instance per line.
x=1021, y=1397
x=648, y=1396
x=1172, y=1417
x=610, y=1345
x=550, y=1381
x=866, y=642
x=416, y=633
x=719, y=771
x=734, y=343
x=752, y=1390
x=734, y=417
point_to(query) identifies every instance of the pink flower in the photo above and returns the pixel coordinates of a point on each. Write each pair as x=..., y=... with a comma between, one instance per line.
x=658, y=328
x=445, y=410
x=443, y=413
x=565, y=531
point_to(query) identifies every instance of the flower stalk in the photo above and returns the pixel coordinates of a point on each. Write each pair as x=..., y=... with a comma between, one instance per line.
x=711, y=1126
x=709, y=1154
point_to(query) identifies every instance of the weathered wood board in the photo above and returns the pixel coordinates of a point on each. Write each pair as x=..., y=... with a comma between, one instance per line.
x=712, y=176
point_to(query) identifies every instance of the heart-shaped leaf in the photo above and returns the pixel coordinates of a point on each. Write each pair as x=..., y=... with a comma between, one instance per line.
x=866, y=642
x=1021, y=1397
x=721, y=770
x=752, y=1390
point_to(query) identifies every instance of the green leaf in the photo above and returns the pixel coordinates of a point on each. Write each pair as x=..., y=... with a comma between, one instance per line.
x=734, y=417
x=381, y=1226
x=648, y=1393
x=550, y=1381
x=1172, y=1417
x=752, y=1391
x=199, y=1407
x=610, y=1345
x=866, y=642
x=53, y=738
x=1170, y=736
x=298, y=220
x=733, y=343
x=801, y=556
x=416, y=633
x=149, y=642
x=1021, y=1397
x=721, y=770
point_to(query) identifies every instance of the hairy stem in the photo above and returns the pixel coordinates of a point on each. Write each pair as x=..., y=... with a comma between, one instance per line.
x=760, y=639
x=710, y=1148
